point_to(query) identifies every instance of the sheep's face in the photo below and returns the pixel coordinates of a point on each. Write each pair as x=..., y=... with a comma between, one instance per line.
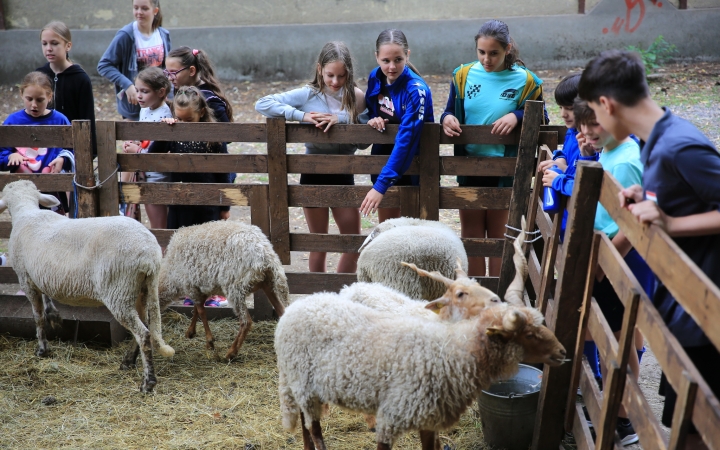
x=25, y=192
x=539, y=344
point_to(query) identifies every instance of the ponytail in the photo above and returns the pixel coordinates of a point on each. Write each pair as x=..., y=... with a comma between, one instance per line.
x=498, y=30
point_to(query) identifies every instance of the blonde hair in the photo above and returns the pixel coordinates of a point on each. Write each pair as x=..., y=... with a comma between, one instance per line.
x=191, y=97
x=37, y=79
x=62, y=31
x=330, y=53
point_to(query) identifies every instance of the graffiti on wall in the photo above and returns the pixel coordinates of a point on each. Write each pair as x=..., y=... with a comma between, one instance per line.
x=634, y=15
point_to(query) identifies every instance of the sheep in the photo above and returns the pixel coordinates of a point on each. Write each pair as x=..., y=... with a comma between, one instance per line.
x=113, y=261
x=409, y=372
x=429, y=244
x=227, y=258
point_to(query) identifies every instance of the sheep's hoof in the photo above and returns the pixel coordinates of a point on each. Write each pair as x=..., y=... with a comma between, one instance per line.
x=190, y=334
x=230, y=356
x=210, y=345
x=42, y=352
x=148, y=385
x=127, y=365
x=54, y=320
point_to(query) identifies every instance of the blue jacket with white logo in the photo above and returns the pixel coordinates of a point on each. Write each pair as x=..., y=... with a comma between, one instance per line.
x=413, y=103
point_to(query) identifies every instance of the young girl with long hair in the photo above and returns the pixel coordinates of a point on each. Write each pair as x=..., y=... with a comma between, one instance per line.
x=140, y=44
x=332, y=97
x=396, y=94
x=506, y=85
x=36, y=91
x=152, y=90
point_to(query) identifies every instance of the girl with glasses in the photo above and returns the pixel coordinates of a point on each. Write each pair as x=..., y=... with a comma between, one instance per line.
x=140, y=44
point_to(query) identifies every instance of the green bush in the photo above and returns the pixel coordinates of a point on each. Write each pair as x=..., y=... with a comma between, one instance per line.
x=656, y=55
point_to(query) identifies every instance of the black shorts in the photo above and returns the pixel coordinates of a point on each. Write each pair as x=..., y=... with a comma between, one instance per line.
x=493, y=182
x=328, y=179
x=707, y=361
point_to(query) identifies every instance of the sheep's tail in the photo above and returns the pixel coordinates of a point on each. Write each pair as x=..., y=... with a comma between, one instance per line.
x=289, y=409
x=153, y=310
x=278, y=279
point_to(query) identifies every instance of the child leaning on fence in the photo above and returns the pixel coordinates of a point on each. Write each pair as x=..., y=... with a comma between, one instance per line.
x=332, y=97
x=36, y=92
x=681, y=169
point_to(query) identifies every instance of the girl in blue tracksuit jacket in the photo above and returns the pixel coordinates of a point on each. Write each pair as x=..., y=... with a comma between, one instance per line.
x=396, y=94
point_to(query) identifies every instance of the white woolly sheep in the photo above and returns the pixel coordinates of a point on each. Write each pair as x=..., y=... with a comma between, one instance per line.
x=426, y=243
x=409, y=372
x=113, y=261
x=227, y=258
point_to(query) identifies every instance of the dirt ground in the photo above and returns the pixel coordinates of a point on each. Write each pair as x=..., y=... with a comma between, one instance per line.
x=690, y=90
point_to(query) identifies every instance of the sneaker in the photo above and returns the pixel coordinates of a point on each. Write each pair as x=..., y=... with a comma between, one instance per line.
x=3, y=260
x=188, y=302
x=215, y=301
x=626, y=432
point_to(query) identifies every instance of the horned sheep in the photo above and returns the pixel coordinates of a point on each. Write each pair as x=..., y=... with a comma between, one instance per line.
x=111, y=261
x=428, y=244
x=421, y=374
x=227, y=258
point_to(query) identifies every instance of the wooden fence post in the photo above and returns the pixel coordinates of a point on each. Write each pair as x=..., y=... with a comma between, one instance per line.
x=107, y=168
x=430, y=172
x=564, y=313
x=84, y=173
x=278, y=188
x=521, y=185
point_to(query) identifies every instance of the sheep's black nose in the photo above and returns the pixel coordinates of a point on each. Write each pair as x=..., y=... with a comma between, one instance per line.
x=563, y=352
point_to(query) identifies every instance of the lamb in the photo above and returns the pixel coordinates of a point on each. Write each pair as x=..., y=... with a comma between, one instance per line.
x=113, y=261
x=227, y=258
x=409, y=372
x=429, y=244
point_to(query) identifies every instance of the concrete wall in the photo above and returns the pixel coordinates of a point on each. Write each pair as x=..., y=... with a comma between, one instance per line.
x=438, y=46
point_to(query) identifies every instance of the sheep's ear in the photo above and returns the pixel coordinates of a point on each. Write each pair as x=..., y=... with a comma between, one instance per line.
x=436, y=305
x=48, y=201
x=437, y=276
x=459, y=272
x=497, y=331
x=3, y=205
x=373, y=234
x=514, y=320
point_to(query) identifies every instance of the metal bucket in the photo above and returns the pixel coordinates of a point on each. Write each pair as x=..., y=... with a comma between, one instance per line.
x=507, y=410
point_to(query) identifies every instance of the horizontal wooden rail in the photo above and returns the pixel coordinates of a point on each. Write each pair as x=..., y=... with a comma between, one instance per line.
x=37, y=136
x=190, y=193
x=59, y=182
x=184, y=162
x=212, y=132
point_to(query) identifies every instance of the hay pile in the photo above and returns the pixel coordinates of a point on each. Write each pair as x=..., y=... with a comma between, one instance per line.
x=79, y=398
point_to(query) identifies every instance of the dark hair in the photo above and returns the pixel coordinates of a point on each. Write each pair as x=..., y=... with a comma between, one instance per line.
x=37, y=79
x=332, y=52
x=199, y=59
x=617, y=74
x=397, y=37
x=498, y=30
x=191, y=97
x=62, y=31
x=584, y=115
x=567, y=90
x=155, y=79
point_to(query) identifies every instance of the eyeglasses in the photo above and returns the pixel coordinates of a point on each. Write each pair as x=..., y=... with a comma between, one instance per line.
x=173, y=75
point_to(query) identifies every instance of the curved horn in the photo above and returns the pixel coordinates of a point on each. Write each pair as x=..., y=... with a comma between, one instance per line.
x=514, y=293
x=437, y=276
x=459, y=272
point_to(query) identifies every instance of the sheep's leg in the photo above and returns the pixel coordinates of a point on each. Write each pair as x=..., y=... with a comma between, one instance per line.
x=200, y=310
x=429, y=440
x=130, y=319
x=236, y=298
x=370, y=421
x=191, y=331
x=52, y=316
x=130, y=359
x=35, y=298
x=245, y=326
x=274, y=300
x=316, y=435
x=307, y=440
x=383, y=446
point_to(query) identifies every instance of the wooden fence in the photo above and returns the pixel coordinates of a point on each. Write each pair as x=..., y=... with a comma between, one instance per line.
x=571, y=310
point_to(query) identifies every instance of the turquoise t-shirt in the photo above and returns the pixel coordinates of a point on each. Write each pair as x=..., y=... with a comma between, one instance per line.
x=488, y=97
x=623, y=162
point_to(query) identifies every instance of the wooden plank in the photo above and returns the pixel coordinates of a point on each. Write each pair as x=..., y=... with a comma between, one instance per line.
x=549, y=258
x=218, y=194
x=45, y=182
x=532, y=211
x=259, y=208
x=338, y=196
x=278, y=189
x=581, y=6
x=340, y=134
x=163, y=236
x=477, y=166
x=682, y=4
x=8, y=275
x=36, y=136
x=601, y=333
x=697, y=294
x=355, y=164
x=5, y=229
x=548, y=139
x=185, y=131
x=646, y=425
x=592, y=395
x=409, y=201
x=567, y=302
x=577, y=361
x=108, y=197
x=561, y=131
x=524, y=171
x=682, y=416
x=429, y=162
x=84, y=171
x=580, y=430
x=480, y=134
x=312, y=242
x=483, y=246
x=311, y=282
x=534, y=271
x=202, y=162
x=543, y=222
x=474, y=198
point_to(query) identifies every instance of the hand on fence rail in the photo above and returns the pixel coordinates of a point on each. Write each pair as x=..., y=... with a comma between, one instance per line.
x=504, y=125
x=371, y=202
x=451, y=126
x=321, y=120
x=378, y=123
